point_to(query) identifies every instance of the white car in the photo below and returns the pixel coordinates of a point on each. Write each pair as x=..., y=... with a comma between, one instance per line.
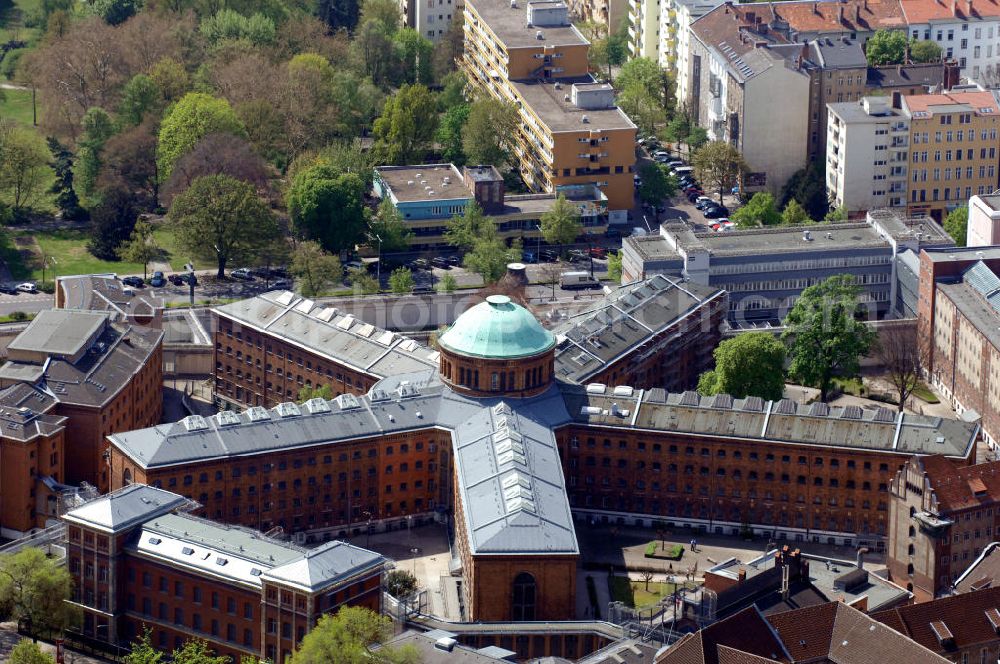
x=27, y=287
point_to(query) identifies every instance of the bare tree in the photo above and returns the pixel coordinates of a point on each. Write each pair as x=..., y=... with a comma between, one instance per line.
x=898, y=351
x=647, y=576
x=218, y=154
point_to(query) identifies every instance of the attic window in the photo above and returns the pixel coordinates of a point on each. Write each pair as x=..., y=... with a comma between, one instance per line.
x=978, y=487
x=941, y=631
x=255, y=572
x=187, y=551
x=155, y=540
x=993, y=615
x=221, y=562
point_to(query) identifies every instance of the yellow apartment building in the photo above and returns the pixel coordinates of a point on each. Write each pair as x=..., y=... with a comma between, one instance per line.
x=953, y=149
x=571, y=132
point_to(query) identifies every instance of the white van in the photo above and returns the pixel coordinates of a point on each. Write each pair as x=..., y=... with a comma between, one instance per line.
x=577, y=280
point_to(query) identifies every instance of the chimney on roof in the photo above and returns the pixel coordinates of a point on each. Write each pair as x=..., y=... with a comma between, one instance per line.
x=968, y=8
x=857, y=14
x=866, y=5
x=741, y=575
x=954, y=7
x=897, y=99
x=862, y=550
x=815, y=8
x=840, y=13
x=729, y=4
x=950, y=78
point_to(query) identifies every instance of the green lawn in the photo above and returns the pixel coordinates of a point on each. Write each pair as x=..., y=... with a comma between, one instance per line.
x=16, y=105
x=12, y=17
x=634, y=593
x=67, y=252
x=924, y=393
x=172, y=253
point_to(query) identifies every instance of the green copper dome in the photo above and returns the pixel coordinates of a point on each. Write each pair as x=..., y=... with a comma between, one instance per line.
x=497, y=328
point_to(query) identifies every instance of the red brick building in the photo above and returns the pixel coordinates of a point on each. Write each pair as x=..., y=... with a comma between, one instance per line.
x=139, y=560
x=941, y=516
x=99, y=375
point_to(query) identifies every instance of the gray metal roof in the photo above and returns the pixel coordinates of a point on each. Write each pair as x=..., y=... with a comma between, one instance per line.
x=625, y=320
x=326, y=565
x=330, y=333
x=58, y=332
x=126, y=507
x=105, y=292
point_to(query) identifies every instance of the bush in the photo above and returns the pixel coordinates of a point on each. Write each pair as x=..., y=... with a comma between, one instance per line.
x=18, y=316
x=651, y=549
x=47, y=287
x=675, y=552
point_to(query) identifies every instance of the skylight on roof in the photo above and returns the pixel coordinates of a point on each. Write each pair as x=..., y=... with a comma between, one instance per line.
x=227, y=418
x=221, y=562
x=287, y=409
x=317, y=405
x=187, y=551
x=257, y=413
x=154, y=540
x=194, y=423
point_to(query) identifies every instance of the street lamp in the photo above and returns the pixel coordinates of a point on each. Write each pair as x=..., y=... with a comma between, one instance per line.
x=538, y=244
x=378, y=265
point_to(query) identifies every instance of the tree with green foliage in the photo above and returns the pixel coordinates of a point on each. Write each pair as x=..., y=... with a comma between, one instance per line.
x=449, y=133
x=111, y=223
x=328, y=206
x=759, y=211
x=490, y=255
x=645, y=92
x=561, y=223
x=416, y=56
x=35, y=590
x=140, y=96
x=229, y=25
x=196, y=651
x=794, y=214
x=171, y=79
x=98, y=127
x=114, y=12
x=315, y=269
x=464, y=229
x=886, y=47
x=679, y=128
x=141, y=650
x=824, y=333
x=719, y=164
x=448, y=284
x=924, y=51
x=338, y=14
x=400, y=583
x=386, y=229
x=452, y=93
x=697, y=138
x=749, y=364
x=956, y=224
x=838, y=213
x=487, y=132
x=349, y=637
x=808, y=187
x=141, y=246
x=223, y=219
x=62, y=187
x=28, y=652
x=363, y=282
x=405, y=131
x=610, y=51
x=401, y=280
x=615, y=266
x=192, y=118
x=656, y=184
x=318, y=392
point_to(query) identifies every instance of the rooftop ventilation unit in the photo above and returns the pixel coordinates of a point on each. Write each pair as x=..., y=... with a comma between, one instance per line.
x=539, y=35
x=585, y=119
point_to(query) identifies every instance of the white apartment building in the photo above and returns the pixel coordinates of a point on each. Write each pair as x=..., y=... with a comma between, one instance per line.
x=863, y=169
x=675, y=44
x=644, y=28
x=966, y=30
x=983, y=229
x=430, y=18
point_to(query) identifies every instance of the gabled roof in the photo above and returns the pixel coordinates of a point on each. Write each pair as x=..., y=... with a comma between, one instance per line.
x=326, y=565
x=962, y=487
x=984, y=572
x=966, y=616
x=126, y=507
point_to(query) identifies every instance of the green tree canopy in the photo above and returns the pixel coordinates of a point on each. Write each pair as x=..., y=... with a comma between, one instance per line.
x=305, y=394
x=808, y=187
x=405, y=130
x=657, y=184
x=750, y=364
x=28, y=652
x=463, y=229
x=98, y=127
x=415, y=55
x=350, y=637
x=400, y=583
x=362, y=281
x=925, y=51
x=615, y=266
x=838, y=213
x=35, y=588
x=401, y=280
x=192, y=118
x=824, y=335
x=140, y=96
x=327, y=205
x=449, y=133
x=142, y=651
x=956, y=224
x=140, y=247
x=561, y=222
x=112, y=223
x=719, y=164
x=223, y=219
x=315, y=269
x=196, y=651
x=115, y=11
x=794, y=214
x=886, y=47
x=62, y=164
x=386, y=229
x=759, y=210
x=489, y=127
x=227, y=24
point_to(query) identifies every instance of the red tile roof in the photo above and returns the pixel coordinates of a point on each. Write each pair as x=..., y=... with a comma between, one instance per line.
x=964, y=616
x=975, y=100
x=857, y=15
x=983, y=572
x=806, y=632
x=746, y=632
x=923, y=11
x=956, y=486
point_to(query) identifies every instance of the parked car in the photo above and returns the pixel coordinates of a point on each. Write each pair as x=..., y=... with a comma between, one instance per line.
x=715, y=212
x=157, y=280
x=598, y=252
x=243, y=274
x=261, y=272
x=703, y=201
x=422, y=289
x=281, y=284
x=577, y=281
x=548, y=256
x=27, y=287
x=8, y=289
x=134, y=282
x=176, y=279
x=441, y=262
x=528, y=257
x=676, y=163
x=453, y=260
x=420, y=264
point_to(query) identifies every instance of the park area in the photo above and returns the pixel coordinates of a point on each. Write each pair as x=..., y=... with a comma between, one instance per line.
x=639, y=594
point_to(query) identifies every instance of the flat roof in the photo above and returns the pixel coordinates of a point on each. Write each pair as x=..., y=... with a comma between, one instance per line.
x=992, y=201
x=853, y=112
x=58, y=332
x=426, y=182
x=549, y=103
x=510, y=25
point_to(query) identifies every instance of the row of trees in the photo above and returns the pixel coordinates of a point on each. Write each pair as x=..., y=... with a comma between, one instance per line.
x=891, y=47
x=824, y=338
x=762, y=210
